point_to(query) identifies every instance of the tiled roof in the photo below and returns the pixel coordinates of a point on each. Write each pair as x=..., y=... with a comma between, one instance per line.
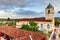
x=27, y=38
x=22, y=38
x=35, y=19
x=21, y=34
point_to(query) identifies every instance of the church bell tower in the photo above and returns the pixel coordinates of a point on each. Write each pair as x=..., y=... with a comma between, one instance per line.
x=49, y=12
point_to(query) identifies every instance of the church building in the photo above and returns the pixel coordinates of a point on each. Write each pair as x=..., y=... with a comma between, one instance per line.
x=46, y=23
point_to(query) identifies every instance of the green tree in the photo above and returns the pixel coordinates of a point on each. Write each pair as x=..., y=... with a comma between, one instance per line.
x=10, y=23
x=59, y=36
x=14, y=22
x=32, y=26
x=25, y=26
x=57, y=22
x=1, y=24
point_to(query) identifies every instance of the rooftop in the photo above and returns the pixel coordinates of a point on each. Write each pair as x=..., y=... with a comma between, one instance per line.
x=19, y=34
x=35, y=19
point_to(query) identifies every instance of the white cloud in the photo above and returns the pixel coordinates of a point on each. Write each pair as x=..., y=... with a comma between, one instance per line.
x=8, y=8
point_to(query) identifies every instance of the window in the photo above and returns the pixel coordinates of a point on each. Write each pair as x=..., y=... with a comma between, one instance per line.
x=41, y=27
x=48, y=11
x=48, y=26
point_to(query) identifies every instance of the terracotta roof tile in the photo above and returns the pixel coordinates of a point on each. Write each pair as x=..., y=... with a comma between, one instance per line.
x=22, y=38
x=21, y=34
x=35, y=19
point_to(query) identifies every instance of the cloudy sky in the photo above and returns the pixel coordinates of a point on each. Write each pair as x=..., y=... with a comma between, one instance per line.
x=26, y=8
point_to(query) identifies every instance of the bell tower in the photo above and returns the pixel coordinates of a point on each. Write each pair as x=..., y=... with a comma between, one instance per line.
x=49, y=12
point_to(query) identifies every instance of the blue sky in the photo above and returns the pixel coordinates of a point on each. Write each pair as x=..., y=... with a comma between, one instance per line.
x=26, y=8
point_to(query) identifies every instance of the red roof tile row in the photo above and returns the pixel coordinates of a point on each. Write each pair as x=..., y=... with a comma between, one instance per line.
x=19, y=34
x=35, y=19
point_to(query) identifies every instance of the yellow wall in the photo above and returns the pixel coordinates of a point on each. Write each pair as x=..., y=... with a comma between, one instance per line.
x=39, y=24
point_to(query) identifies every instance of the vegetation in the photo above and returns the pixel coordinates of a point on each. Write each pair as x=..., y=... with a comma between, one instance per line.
x=49, y=33
x=1, y=24
x=59, y=35
x=31, y=26
x=25, y=26
x=57, y=22
x=11, y=23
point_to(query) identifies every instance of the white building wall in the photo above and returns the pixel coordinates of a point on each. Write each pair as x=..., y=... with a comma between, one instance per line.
x=18, y=24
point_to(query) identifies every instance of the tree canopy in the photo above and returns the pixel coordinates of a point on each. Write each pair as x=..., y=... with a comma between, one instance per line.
x=57, y=22
x=32, y=26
